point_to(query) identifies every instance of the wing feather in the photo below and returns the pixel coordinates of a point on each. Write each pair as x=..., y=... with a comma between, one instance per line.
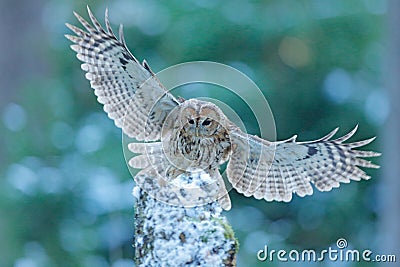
x=276, y=170
x=129, y=91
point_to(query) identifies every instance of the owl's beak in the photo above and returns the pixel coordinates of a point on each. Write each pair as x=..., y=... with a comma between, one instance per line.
x=197, y=132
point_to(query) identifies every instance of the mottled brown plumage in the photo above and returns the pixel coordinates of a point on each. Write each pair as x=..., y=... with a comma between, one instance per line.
x=194, y=134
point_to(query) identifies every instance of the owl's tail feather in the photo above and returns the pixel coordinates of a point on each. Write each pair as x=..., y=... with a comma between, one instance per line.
x=174, y=185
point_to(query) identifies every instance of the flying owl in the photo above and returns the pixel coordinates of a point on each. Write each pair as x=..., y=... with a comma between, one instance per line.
x=185, y=135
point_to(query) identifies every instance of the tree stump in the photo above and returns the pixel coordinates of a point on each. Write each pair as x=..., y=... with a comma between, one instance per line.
x=169, y=232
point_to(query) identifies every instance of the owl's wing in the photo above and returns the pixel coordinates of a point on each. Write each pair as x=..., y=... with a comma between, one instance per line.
x=275, y=170
x=132, y=95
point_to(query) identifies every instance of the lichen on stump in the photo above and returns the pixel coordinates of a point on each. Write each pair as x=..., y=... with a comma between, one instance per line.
x=175, y=235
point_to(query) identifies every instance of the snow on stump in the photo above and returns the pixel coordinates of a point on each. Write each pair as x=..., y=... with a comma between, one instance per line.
x=170, y=232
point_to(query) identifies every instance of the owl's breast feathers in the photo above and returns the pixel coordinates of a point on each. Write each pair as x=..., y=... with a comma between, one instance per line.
x=202, y=151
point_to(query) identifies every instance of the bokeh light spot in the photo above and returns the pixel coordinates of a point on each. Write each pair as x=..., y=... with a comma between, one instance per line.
x=338, y=86
x=14, y=117
x=294, y=52
x=377, y=107
x=22, y=178
x=90, y=138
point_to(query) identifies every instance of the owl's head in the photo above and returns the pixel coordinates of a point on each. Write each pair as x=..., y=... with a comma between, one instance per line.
x=200, y=118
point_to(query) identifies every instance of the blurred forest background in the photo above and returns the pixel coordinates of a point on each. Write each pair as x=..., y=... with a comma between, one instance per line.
x=65, y=192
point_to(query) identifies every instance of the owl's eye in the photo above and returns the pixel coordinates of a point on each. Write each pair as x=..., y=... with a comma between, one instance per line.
x=206, y=122
x=191, y=121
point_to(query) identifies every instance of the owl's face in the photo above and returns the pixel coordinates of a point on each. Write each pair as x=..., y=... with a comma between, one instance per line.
x=201, y=119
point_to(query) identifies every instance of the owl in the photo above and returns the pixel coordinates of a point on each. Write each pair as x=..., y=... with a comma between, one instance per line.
x=181, y=136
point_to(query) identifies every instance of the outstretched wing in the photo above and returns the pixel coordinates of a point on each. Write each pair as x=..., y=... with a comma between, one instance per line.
x=132, y=95
x=275, y=170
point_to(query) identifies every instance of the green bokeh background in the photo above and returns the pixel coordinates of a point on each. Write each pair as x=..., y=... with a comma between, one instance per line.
x=65, y=192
